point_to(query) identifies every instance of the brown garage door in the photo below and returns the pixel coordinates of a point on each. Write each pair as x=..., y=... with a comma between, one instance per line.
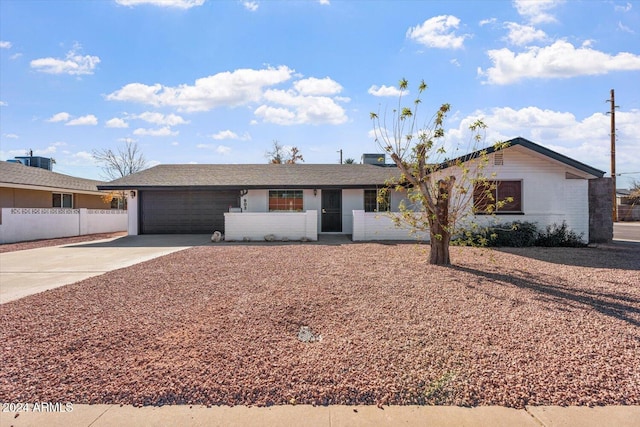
x=185, y=211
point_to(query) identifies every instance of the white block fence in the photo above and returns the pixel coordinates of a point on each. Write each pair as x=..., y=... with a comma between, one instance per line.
x=24, y=224
x=283, y=225
x=380, y=226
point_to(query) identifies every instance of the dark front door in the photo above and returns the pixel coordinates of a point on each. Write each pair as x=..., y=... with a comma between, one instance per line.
x=331, y=211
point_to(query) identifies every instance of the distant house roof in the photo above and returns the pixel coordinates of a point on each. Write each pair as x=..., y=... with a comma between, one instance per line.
x=17, y=175
x=248, y=176
x=519, y=141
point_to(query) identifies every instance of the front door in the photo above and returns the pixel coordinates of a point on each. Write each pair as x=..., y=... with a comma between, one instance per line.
x=331, y=211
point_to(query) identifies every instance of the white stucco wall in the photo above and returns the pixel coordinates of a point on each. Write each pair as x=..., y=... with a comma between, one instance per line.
x=380, y=226
x=256, y=225
x=24, y=224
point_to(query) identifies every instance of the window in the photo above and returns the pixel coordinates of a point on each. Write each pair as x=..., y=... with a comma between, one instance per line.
x=62, y=200
x=506, y=193
x=372, y=204
x=285, y=200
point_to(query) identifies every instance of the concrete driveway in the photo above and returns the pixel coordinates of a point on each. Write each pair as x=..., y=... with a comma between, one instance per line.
x=32, y=271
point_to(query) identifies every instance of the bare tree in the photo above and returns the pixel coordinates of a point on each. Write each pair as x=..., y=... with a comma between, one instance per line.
x=440, y=187
x=284, y=155
x=125, y=161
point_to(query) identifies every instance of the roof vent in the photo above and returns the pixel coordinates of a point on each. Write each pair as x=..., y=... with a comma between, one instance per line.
x=498, y=158
x=374, y=159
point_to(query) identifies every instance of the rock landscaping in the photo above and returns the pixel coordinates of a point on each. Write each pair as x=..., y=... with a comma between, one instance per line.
x=234, y=324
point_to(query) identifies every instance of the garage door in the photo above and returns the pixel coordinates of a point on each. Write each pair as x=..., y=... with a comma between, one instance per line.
x=185, y=212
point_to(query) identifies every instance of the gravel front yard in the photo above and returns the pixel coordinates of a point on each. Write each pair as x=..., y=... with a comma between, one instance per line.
x=219, y=325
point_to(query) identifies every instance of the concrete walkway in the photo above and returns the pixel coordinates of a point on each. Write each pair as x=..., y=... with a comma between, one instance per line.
x=32, y=271
x=328, y=416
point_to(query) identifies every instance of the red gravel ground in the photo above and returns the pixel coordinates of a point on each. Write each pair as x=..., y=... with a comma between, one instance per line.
x=219, y=325
x=21, y=246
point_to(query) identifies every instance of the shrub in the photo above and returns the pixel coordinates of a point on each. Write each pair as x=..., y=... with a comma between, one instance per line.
x=512, y=234
x=555, y=235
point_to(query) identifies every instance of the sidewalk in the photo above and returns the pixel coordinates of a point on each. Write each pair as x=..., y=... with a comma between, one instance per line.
x=328, y=416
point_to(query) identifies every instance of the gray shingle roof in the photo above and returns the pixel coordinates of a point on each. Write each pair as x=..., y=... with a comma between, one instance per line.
x=18, y=174
x=255, y=176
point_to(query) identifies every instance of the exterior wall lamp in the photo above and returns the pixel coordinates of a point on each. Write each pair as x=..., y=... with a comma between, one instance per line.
x=132, y=193
x=315, y=191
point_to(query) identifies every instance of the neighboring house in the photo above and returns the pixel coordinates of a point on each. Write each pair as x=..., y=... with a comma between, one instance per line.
x=36, y=203
x=627, y=210
x=303, y=200
x=35, y=187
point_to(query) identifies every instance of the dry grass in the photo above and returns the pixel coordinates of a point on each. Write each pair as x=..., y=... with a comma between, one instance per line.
x=219, y=324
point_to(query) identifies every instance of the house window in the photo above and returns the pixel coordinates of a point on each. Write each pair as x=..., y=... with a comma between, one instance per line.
x=285, y=200
x=507, y=193
x=62, y=200
x=372, y=202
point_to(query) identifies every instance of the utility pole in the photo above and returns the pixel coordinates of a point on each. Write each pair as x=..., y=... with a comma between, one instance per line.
x=613, y=154
x=340, y=151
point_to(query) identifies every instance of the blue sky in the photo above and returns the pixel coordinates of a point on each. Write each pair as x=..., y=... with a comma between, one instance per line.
x=216, y=81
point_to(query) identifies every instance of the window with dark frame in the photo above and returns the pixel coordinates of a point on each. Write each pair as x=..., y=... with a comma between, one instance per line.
x=285, y=201
x=372, y=204
x=62, y=200
x=508, y=193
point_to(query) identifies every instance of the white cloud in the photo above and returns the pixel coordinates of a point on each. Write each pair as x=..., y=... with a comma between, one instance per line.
x=228, y=134
x=324, y=2
x=223, y=149
x=74, y=64
x=10, y=135
x=3, y=104
x=299, y=109
x=559, y=60
x=178, y=4
x=165, y=131
x=15, y=56
x=625, y=8
x=624, y=28
x=438, y=32
x=521, y=35
x=314, y=86
x=116, y=123
x=85, y=156
x=88, y=120
x=5, y=44
x=487, y=21
x=586, y=140
x=384, y=91
x=251, y=6
x=536, y=11
x=59, y=117
x=161, y=119
x=230, y=89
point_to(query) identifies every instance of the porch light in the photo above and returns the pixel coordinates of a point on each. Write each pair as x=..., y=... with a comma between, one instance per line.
x=132, y=194
x=315, y=191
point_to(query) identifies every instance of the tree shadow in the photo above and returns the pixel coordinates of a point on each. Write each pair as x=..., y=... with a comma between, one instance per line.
x=619, y=306
x=615, y=255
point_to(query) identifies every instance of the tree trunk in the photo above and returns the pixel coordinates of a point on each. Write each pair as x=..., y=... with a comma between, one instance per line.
x=439, y=246
x=439, y=226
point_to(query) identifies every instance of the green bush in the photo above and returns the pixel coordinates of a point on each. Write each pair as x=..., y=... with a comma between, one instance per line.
x=518, y=234
x=559, y=236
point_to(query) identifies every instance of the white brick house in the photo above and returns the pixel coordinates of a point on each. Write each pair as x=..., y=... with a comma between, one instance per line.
x=301, y=201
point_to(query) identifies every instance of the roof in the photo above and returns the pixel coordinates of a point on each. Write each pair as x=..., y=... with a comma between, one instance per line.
x=272, y=176
x=541, y=150
x=248, y=176
x=19, y=175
